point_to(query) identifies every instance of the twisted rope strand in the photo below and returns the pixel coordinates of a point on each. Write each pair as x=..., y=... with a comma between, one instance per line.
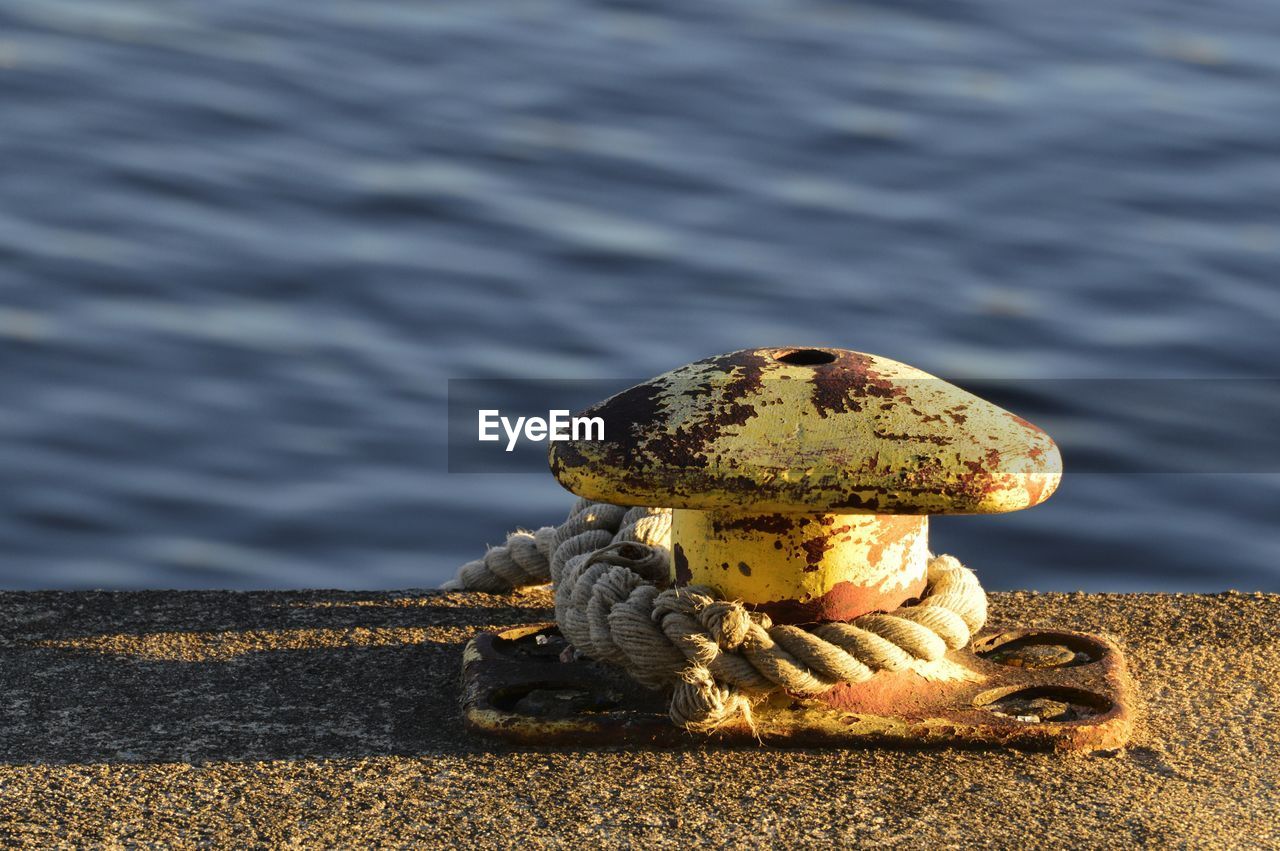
x=609, y=568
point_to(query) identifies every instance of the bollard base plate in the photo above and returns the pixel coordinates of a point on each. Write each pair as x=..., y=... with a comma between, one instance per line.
x=1033, y=689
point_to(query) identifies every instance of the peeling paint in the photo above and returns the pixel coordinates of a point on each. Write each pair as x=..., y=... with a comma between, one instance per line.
x=811, y=470
x=748, y=431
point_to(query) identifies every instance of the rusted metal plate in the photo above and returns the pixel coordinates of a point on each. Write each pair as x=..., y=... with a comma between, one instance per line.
x=1034, y=689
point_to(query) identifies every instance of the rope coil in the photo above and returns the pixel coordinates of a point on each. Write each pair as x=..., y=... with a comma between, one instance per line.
x=608, y=565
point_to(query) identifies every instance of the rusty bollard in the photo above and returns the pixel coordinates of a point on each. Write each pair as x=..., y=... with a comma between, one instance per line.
x=801, y=481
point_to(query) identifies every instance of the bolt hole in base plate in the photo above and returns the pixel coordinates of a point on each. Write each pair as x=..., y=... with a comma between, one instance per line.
x=1032, y=689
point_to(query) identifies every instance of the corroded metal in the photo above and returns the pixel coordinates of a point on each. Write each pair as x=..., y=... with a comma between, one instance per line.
x=800, y=482
x=518, y=686
x=809, y=430
x=801, y=478
x=800, y=568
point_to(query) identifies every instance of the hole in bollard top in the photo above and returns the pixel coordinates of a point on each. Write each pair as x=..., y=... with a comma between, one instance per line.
x=805, y=357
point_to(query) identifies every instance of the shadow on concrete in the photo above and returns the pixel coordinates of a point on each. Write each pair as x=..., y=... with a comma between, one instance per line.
x=212, y=676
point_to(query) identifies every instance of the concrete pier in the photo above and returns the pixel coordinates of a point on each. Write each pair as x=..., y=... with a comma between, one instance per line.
x=331, y=718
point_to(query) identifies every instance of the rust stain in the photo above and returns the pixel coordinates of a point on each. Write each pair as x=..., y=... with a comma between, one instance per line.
x=1035, y=486
x=711, y=435
x=843, y=385
x=814, y=550
x=769, y=524
x=845, y=601
x=899, y=708
x=935, y=439
x=890, y=531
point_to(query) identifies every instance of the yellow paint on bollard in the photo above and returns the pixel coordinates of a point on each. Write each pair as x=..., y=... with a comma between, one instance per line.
x=813, y=468
x=799, y=568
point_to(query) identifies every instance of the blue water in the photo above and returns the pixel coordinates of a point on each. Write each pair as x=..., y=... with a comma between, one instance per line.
x=243, y=246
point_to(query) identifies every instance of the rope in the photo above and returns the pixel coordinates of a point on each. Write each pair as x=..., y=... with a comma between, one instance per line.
x=609, y=568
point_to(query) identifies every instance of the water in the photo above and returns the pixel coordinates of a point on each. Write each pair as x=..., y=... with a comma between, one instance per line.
x=243, y=246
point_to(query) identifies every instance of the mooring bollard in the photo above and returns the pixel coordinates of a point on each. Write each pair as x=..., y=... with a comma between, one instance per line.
x=800, y=602
x=802, y=478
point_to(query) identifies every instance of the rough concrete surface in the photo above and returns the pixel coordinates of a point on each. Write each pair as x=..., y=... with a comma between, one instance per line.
x=331, y=719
